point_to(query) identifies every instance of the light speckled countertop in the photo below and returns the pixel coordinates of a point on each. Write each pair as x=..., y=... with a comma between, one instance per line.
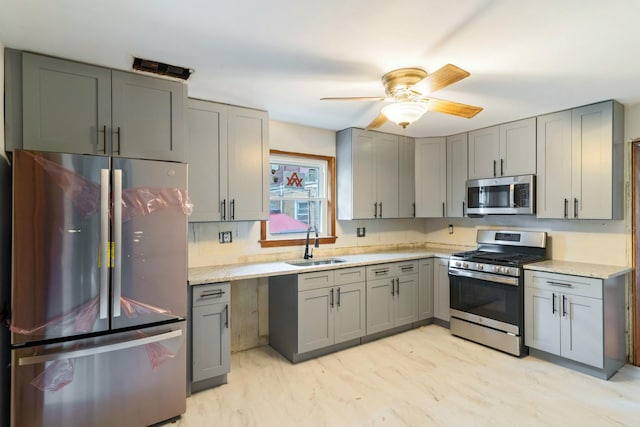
x=226, y=273
x=598, y=271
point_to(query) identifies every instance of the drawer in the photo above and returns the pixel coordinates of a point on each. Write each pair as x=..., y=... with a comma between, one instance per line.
x=350, y=275
x=380, y=271
x=211, y=294
x=567, y=284
x=317, y=280
x=410, y=267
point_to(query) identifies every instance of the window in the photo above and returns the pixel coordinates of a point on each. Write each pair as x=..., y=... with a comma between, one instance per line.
x=302, y=187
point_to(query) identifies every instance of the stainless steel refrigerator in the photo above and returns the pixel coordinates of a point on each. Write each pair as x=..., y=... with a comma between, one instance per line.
x=98, y=296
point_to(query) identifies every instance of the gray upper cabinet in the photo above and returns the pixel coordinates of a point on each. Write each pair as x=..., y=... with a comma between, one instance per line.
x=406, y=177
x=431, y=177
x=580, y=163
x=228, y=156
x=456, y=175
x=367, y=174
x=505, y=150
x=79, y=108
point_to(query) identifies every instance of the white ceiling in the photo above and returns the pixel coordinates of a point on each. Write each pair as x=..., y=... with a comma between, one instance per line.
x=525, y=57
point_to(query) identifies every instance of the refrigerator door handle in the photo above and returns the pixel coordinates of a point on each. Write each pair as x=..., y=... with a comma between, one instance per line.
x=33, y=360
x=104, y=243
x=117, y=240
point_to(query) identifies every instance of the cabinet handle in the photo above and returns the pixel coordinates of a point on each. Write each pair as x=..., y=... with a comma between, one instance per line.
x=564, y=305
x=501, y=167
x=494, y=168
x=233, y=209
x=398, y=286
x=575, y=207
x=406, y=268
x=564, y=285
x=393, y=287
x=566, y=208
x=375, y=210
x=226, y=317
x=553, y=303
x=414, y=209
x=104, y=139
x=381, y=272
x=380, y=209
x=224, y=209
x=338, y=297
x=463, y=207
x=443, y=213
x=331, y=298
x=212, y=294
x=119, y=132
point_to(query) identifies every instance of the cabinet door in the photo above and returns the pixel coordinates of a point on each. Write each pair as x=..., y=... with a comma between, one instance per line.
x=484, y=152
x=581, y=329
x=425, y=289
x=441, y=290
x=211, y=342
x=456, y=175
x=431, y=177
x=247, y=165
x=349, y=311
x=405, y=308
x=379, y=305
x=592, y=160
x=386, y=174
x=406, y=178
x=206, y=128
x=315, y=319
x=66, y=106
x=148, y=117
x=553, y=180
x=518, y=148
x=363, y=175
x=541, y=319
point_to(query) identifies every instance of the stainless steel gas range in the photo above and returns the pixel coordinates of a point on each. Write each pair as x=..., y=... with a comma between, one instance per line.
x=487, y=289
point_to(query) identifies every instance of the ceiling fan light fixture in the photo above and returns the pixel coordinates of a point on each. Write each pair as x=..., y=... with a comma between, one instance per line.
x=405, y=113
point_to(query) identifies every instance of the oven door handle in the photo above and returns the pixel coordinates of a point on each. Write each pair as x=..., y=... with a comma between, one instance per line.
x=506, y=280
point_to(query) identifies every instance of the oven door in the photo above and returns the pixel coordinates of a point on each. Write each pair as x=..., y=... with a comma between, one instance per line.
x=496, y=299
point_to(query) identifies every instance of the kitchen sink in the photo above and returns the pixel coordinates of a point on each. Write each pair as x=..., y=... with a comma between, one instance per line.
x=311, y=262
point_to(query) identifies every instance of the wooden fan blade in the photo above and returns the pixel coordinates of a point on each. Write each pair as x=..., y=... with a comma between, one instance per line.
x=354, y=98
x=454, y=108
x=439, y=79
x=377, y=122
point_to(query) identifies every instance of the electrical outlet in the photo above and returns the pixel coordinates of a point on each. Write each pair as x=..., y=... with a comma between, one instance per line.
x=224, y=236
x=360, y=232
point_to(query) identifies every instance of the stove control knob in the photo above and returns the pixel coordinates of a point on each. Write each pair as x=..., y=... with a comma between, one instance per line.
x=480, y=267
x=465, y=265
x=496, y=268
x=504, y=270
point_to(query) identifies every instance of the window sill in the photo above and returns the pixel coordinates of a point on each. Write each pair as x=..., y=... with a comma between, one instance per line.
x=295, y=242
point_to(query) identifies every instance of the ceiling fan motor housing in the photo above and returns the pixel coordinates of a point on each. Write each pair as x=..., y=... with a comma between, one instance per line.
x=398, y=82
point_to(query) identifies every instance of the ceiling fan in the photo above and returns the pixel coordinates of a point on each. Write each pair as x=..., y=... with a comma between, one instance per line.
x=410, y=89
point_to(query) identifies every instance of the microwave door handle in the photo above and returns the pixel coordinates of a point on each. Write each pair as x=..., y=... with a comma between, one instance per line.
x=512, y=191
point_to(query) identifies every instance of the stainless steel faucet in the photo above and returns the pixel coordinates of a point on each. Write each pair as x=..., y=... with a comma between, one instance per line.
x=309, y=254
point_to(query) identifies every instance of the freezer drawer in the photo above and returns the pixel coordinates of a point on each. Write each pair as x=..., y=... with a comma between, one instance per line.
x=133, y=378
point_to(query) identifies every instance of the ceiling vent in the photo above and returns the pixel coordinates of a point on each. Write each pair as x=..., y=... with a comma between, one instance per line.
x=155, y=67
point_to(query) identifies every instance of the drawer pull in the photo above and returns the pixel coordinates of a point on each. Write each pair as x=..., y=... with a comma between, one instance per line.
x=564, y=285
x=212, y=294
x=382, y=272
x=407, y=268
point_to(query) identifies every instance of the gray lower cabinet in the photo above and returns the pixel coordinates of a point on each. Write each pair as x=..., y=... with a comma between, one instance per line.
x=576, y=321
x=392, y=295
x=210, y=335
x=441, y=295
x=425, y=290
x=71, y=107
x=317, y=312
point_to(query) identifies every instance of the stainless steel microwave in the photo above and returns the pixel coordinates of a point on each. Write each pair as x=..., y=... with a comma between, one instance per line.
x=507, y=195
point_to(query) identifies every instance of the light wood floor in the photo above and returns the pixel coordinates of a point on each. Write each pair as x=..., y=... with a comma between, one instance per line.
x=422, y=377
